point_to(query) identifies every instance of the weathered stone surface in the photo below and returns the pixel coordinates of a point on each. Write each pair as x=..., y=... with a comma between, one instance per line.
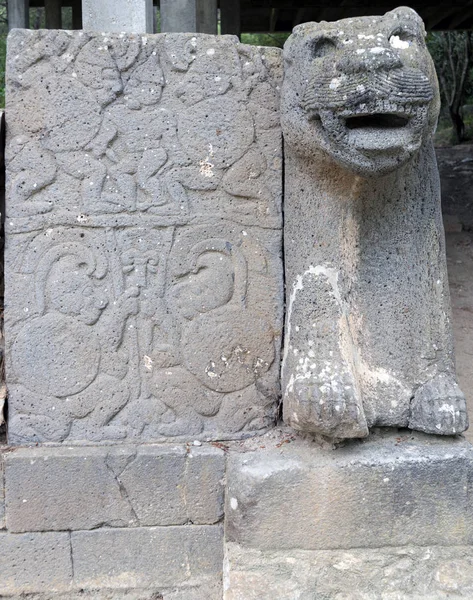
x=144, y=279
x=34, y=562
x=2, y=494
x=84, y=488
x=394, y=491
x=208, y=591
x=408, y=573
x=118, y=16
x=368, y=320
x=168, y=557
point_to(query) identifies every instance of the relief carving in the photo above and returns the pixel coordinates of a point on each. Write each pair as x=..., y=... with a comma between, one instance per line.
x=144, y=237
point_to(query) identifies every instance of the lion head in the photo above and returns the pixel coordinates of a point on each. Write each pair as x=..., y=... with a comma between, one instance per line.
x=362, y=90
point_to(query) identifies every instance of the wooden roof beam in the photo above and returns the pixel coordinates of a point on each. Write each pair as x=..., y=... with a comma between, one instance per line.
x=459, y=20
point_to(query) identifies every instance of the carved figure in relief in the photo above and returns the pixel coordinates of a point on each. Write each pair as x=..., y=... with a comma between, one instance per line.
x=225, y=345
x=368, y=332
x=71, y=354
x=131, y=165
x=220, y=345
x=69, y=113
x=143, y=257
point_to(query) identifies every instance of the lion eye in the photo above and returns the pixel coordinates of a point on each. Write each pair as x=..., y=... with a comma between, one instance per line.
x=401, y=38
x=322, y=46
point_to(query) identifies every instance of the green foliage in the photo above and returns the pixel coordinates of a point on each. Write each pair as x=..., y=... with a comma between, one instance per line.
x=265, y=39
x=452, y=52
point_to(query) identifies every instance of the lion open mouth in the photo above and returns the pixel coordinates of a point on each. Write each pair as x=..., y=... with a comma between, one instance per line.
x=382, y=127
x=376, y=121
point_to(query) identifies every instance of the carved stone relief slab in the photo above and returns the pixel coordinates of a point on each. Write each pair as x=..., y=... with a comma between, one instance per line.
x=143, y=252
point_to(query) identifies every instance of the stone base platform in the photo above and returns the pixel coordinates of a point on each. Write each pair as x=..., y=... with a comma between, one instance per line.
x=390, y=573
x=388, y=518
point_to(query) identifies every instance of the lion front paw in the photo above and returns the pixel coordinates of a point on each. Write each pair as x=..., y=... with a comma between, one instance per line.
x=439, y=407
x=329, y=409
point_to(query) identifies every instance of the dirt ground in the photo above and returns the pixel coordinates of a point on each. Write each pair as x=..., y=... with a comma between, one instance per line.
x=456, y=172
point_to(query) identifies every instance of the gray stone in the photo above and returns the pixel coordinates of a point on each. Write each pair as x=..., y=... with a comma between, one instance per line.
x=161, y=557
x=144, y=279
x=35, y=562
x=406, y=573
x=84, y=488
x=2, y=493
x=189, y=16
x=368, y=330
x=18, y=13
x=394, y=491
x=207, y=591
x=118, y=16
x=204, y=481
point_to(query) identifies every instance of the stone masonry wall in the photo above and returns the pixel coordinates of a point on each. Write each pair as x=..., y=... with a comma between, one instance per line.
x=120, y=518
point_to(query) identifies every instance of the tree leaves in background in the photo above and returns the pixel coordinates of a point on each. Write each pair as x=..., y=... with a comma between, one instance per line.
x=452, y=52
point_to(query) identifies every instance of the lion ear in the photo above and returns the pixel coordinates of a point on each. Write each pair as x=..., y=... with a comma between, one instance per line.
x=306, y=28
x=410, y=15
x=298, y=39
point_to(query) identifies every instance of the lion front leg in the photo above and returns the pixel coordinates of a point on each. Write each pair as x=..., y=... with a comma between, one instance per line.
x=320, y=394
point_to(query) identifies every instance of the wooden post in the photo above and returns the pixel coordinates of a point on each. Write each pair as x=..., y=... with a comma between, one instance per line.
x=76, y=14
x=230, y=19
x=53, y=14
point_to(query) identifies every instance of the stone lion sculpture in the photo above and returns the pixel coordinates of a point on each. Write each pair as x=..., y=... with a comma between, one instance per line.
x=368, y=330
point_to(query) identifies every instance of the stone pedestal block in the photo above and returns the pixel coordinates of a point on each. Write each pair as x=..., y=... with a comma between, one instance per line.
x=144, y=295
x=189, y=16
x=388, y=518
x=396, y=491
x=174, y=563
x=72, y=488
x=390, y=573
x=18, y=13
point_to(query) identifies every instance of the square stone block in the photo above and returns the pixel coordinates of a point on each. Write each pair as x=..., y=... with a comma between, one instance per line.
x=119, y=15
x=35, y=562
x=84, y=488
x=157, y=557
x=390, y=491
